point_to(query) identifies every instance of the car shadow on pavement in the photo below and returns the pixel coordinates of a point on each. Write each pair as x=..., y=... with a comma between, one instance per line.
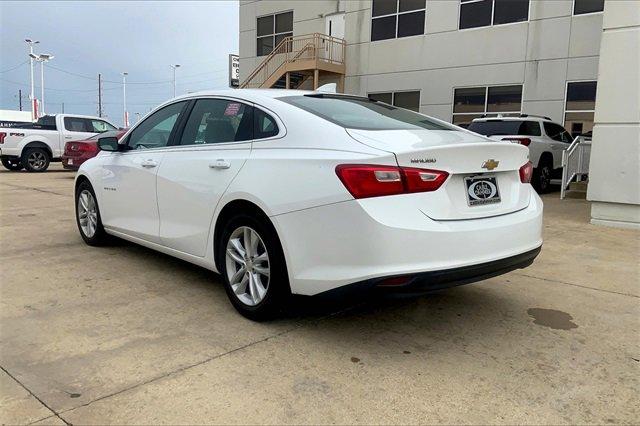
x=454, y=305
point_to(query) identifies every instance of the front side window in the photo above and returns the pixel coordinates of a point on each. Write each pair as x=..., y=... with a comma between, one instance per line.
x=397, y=18
x=580, y=7
x=580, y=107
x=218, y=121
x=557, y=132
x=362, y=113
x=271, y=30
x=484, y=13
x=99, y=126
x=409, y=100
x=476, y=102
x=155, y=131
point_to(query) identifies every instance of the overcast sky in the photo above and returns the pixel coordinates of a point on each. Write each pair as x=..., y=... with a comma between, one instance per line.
x=142, y=38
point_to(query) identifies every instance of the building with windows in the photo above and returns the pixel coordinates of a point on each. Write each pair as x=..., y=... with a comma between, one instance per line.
x=454, y=60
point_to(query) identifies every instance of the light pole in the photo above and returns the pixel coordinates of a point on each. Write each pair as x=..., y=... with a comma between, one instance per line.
x=124, y=99
x=174, y=67
x=31, y=95
x=42, y=58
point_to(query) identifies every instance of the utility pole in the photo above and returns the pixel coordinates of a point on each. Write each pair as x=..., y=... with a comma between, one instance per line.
x=31, y=96
x=63, y=107
x=124, y=99
x=99, y=95
x=174, y=67
x=20, y=99
x=45, y=57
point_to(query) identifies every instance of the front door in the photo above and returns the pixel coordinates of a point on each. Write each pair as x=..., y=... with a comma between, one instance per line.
x=194, y=174
x=129, y=177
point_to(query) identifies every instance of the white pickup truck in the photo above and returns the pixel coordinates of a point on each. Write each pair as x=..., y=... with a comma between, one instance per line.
x=34, y=146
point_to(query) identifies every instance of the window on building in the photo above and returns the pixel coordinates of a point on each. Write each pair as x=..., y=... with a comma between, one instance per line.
x=271, y=29
x=483, y=13
x=475, y=102
x=580, y=107
x=397, y=18
x=581, y=7
x=409, y=100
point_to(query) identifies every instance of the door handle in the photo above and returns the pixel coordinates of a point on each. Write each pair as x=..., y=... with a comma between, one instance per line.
x=220, y=164
x=68, y=137
x=149, y=163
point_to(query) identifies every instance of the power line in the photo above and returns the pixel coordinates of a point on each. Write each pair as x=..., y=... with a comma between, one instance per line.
x=14, y=68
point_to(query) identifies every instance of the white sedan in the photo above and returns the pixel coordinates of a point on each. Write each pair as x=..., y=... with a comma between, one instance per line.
x=293, y=192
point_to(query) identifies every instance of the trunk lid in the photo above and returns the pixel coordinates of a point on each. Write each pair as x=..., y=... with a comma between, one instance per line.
x=463, y=155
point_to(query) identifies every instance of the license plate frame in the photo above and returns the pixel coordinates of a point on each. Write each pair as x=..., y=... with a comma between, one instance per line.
x=481, y=190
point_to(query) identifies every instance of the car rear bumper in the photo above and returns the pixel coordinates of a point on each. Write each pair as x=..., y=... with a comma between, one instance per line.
x=72, y=163
x=362, y=242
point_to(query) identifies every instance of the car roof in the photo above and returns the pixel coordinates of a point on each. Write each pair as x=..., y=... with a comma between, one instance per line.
x=514, y=118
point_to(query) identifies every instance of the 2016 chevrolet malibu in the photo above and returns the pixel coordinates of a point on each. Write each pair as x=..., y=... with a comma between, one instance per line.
x=292, y=192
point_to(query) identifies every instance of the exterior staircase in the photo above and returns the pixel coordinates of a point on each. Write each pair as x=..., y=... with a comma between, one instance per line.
x=299, y=61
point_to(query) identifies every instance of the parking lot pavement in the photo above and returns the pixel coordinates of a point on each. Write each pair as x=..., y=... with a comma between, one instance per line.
x=123, y=334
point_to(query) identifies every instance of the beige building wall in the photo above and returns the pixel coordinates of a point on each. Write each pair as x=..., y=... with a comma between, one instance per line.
x=542, y=54
x=614, y=178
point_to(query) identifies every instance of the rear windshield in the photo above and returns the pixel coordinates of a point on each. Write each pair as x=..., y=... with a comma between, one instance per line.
x=505, y=127
x=365, y=114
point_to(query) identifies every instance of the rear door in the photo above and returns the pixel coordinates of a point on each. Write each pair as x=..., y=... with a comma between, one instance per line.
x=73, y=129
x=212, y=148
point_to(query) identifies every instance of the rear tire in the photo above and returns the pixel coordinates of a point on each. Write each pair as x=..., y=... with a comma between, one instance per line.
x=12, y=164
x=255, y=279
x=88, y=216
x=35, y=160
x=541, y=179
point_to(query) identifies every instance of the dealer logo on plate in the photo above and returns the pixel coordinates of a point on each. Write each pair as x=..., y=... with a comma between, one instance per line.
x=482, y=189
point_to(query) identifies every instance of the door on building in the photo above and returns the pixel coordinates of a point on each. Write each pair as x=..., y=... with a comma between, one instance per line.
x=334, y=25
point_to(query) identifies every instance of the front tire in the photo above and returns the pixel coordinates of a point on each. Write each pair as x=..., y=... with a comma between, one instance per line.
x=13, y=165
x=35, y=160
x=88, y=216
x=253, y=267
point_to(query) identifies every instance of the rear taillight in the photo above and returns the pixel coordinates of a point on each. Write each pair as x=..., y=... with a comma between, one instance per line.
x=423, y=180
x=366, y=180
x=521, y=141
x=2, y=136
x=526, y=172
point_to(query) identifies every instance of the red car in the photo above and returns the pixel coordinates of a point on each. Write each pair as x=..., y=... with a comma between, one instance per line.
x=77, y=152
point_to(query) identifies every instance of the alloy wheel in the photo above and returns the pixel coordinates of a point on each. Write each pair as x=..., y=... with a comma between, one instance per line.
x=87, y=213
x=37, y=160
x=247, y=263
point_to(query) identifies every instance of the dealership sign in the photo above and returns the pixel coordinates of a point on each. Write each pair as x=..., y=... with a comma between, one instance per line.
x=234, y=71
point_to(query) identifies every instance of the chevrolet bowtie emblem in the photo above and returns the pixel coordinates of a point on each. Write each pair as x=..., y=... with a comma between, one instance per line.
x=490, y=164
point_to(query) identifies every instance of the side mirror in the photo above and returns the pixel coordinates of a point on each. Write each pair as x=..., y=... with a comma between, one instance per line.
x=108, y=143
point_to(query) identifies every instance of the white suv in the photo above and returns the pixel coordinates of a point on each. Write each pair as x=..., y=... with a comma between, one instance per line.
x=546, y=141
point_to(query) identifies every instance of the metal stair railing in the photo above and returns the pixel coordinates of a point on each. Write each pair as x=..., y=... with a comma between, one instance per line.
x=575, y=162
x=314, y=46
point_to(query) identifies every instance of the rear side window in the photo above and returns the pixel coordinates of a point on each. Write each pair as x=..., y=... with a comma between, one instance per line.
x=75, y=124
x=218, y=121
x=365, y=114
x=264, y=125
x=505, y=127
x=48, y=122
